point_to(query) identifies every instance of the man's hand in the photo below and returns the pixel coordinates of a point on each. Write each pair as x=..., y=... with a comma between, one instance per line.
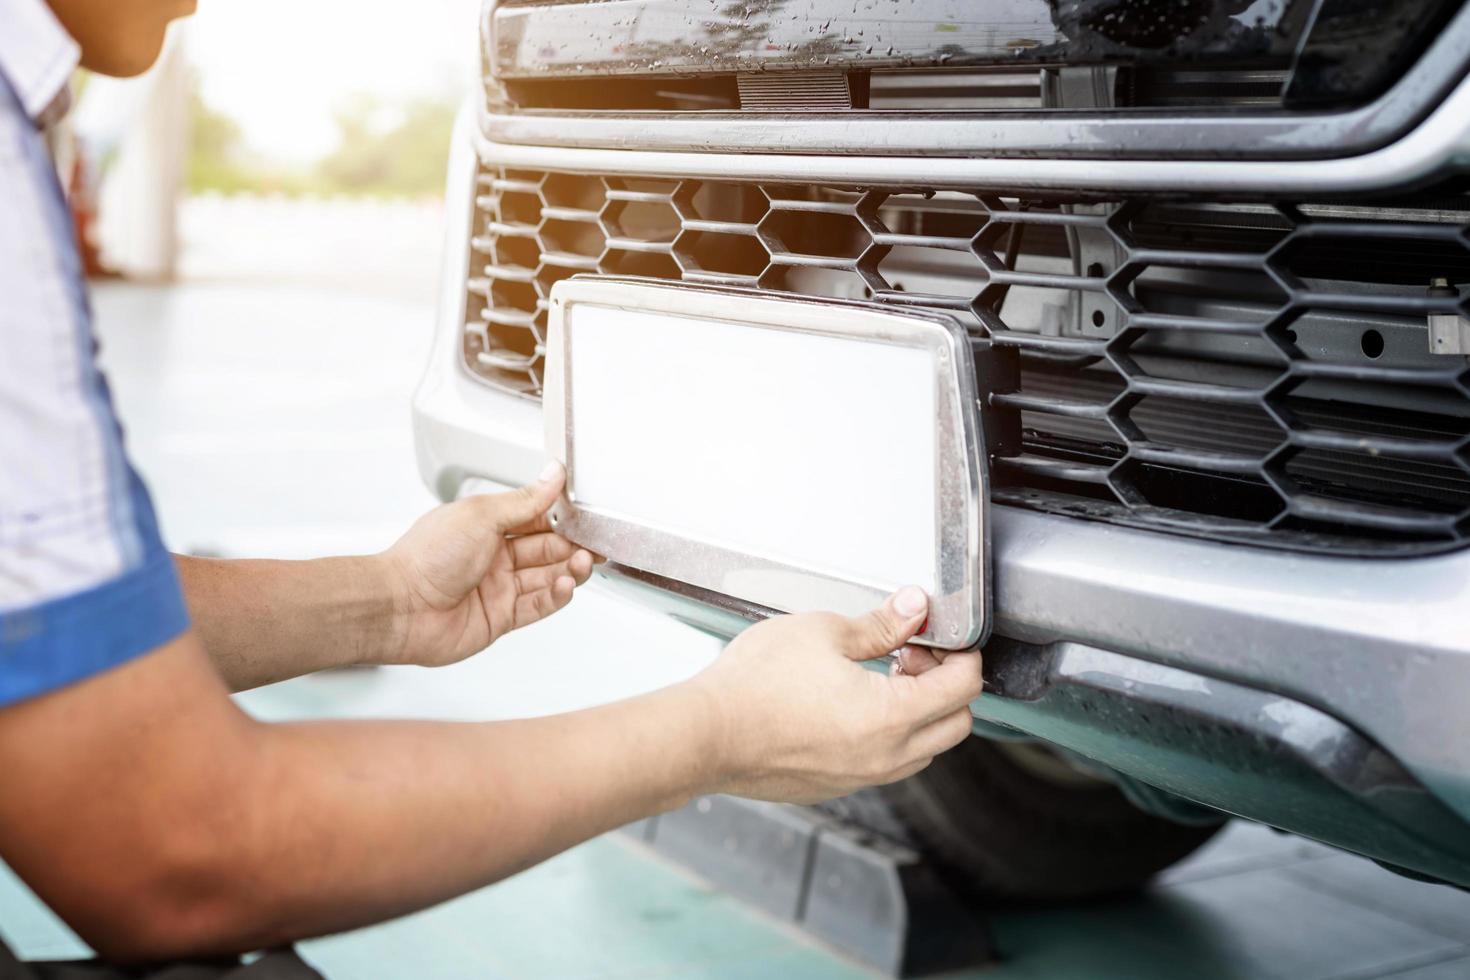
x=469, y=572
x=799, y=720
x=463, y=576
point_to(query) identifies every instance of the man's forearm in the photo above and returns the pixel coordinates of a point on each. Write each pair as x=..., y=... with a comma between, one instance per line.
x=207, y=831
x=372, y=820
x=168, y=823
x=264, y=621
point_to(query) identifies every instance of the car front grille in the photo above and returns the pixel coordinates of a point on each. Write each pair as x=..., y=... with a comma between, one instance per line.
x=1256, y=373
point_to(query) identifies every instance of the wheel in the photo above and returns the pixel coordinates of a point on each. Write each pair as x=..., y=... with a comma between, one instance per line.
x=1016, y=821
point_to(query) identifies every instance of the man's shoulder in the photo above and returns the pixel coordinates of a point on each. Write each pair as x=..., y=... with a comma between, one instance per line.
x=53, y=479
x=26, y=173
x=16, y=131
x=84, y=580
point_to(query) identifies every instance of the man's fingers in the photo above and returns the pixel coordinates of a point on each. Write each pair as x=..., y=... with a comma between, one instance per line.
x=944, y=734
x=524, y=510
x=578, y=568
x=917, y=660
x=904, y=772
x=540, y=549
x=535, y=606
x=890, y=626
x=945, y=689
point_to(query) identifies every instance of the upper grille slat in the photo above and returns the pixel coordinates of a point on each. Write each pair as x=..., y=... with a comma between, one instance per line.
x=619, y=244
x=1376, y=516
x=954, y=304
x=1067, y=407
x=502, y=185
x=508, y=318
x=1425, y=450
x=1056, y=469
x=506, y=360
x=1165, y=321
x=1238, y=464
x=1068, y=346
x=1253, y=372
x=551, y=213
x=571, y=261
x=811, y=261
x=511, y=273
x=510, y=229
x=719, y=227
x=1195, y=391
x=640, y=197
x=720, y=278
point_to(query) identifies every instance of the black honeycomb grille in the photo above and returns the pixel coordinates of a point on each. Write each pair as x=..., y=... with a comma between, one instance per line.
x=1258, y=373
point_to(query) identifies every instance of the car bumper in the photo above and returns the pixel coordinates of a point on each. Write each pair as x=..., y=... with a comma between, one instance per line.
x=1102, y=630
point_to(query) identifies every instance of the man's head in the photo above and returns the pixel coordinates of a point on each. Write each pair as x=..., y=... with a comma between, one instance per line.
x=119, y=37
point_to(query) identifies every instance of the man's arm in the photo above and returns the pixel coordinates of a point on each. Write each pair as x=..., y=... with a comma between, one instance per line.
x=159, y=820
x=464, y=575
x=264, y=621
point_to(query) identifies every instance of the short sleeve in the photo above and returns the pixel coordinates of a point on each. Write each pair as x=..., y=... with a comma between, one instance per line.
x=85, y=582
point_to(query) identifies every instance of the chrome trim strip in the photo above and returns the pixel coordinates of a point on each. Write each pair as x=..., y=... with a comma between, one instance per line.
x=958, y=614
x=1439, y=146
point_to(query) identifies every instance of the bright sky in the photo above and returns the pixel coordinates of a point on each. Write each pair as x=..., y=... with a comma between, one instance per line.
x=280, y=67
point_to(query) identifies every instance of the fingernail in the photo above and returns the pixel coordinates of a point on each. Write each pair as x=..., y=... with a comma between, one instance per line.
x=551, y=471
x=909, y=601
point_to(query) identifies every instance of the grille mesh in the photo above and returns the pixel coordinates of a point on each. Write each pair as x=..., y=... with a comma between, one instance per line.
x=1252, y=372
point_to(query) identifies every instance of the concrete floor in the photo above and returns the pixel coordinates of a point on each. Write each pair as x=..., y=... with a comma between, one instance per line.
x=269, y=414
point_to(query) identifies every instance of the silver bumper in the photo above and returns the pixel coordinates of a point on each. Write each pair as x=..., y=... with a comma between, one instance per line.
x=1383, y=646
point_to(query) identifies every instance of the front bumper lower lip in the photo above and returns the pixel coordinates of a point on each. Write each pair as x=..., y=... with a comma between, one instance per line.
x=1233, y=747
x=1236, y=748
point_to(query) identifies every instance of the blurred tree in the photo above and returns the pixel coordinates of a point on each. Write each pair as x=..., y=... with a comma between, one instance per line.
x=382, y=151
x=217, y=156
x=390, y=151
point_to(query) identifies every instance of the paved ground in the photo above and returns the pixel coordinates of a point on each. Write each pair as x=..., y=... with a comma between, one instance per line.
x=269, y=413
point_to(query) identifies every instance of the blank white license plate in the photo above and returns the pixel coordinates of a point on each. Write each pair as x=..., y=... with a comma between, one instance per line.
x=797, y=455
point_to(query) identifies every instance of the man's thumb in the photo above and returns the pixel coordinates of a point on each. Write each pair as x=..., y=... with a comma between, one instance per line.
x=890, y=626
x=521, y=508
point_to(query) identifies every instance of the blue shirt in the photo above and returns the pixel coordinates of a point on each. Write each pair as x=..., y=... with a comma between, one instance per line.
x=85, y=582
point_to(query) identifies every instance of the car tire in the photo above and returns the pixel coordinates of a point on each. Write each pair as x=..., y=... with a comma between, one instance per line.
x=1002, y=822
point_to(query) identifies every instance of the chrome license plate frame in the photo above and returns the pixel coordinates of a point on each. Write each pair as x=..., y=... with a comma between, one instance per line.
x=960, y=608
